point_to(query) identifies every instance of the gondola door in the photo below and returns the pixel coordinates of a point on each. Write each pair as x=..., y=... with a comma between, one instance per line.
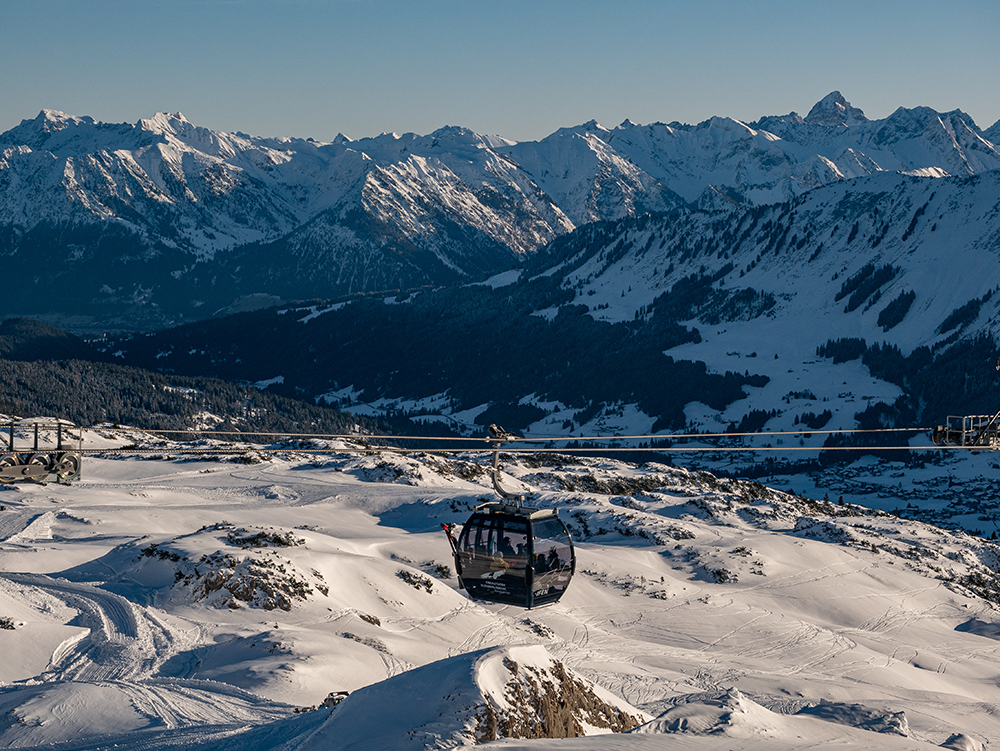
x=553, y=560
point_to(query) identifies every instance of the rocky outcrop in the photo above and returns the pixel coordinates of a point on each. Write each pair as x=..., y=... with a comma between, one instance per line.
x=508, y=692
x=548, y=701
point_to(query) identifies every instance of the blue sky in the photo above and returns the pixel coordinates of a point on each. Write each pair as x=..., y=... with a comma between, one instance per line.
x=315, y=68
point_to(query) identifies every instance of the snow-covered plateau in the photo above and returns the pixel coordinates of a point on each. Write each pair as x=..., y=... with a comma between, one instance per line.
x=227, y=601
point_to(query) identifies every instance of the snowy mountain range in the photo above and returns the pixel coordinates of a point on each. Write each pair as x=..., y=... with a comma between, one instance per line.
x=162, y=221
x=227, y=598
x=837, y=303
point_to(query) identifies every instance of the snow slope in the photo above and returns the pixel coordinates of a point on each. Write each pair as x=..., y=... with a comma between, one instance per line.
x=782, y=282
x=197, y=602
x=766, y=289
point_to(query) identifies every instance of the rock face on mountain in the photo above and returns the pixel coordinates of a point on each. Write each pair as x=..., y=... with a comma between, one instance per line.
x=834, y=110
x=164, y=221
x=509, y=692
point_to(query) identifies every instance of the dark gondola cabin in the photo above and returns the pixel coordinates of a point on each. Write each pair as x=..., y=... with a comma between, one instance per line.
x=514, y=555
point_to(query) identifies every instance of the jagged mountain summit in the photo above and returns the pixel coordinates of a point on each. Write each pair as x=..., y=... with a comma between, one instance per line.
x=164, y=221
x=164, y=217
x=834, y=110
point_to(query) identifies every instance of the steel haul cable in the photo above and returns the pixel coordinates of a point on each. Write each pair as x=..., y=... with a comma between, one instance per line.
x=375, y=443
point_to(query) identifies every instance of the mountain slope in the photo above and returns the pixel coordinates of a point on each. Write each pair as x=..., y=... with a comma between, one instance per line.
x=166, y=220
x=473, y=698
x=905, y=267
x=836, y=304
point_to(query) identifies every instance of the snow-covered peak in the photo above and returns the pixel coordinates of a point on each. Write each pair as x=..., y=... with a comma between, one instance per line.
x=452, y=135
x=592, y=126
x=727, y=124
x=992, y=133
x=589, y=128
x=178, y=126
x=39, y=131
x=223, y=190
x=165, y=123
x=49, y=121
x=207, y=141
x=834, y=110
x=915, y=120
x=453, y=131
x=793, y=117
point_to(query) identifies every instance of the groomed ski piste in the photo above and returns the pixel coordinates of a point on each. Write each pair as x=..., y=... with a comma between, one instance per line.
x=226, y=601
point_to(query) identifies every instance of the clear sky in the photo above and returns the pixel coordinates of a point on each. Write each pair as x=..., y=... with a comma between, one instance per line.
x=520, y=69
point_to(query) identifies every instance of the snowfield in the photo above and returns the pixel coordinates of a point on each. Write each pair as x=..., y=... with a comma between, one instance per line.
x=225, y=602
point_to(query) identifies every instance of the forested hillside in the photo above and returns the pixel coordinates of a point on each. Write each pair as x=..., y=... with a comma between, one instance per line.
x=87, y=393
x=477, y=344
x=43, y=372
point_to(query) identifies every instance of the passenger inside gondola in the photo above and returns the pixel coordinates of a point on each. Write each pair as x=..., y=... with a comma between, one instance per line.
x=506, y=548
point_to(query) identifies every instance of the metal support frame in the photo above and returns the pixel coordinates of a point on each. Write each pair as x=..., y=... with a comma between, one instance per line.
x=498, y=437
x=981, y=431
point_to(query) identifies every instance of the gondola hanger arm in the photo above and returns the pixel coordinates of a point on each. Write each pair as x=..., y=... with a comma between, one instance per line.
x=498, y=437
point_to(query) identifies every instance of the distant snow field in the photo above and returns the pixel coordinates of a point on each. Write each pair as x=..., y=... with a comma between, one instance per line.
x=203, y=602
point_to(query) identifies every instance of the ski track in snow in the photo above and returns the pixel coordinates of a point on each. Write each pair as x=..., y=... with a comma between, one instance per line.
x=125, y=641
x=187, y=714
x=179, y=703
x=497, y=633
x=122, y=649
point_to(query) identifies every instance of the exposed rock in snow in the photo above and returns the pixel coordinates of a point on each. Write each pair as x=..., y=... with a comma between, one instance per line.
x=859, y=716
x=962, y=742
x=834, y=110
x=512, y=692
x=728, y=712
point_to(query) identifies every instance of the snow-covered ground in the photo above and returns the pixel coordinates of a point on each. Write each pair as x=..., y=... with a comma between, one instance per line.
x=205, y=601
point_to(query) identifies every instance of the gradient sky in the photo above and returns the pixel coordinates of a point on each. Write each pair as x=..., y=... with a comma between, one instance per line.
x=315, y=68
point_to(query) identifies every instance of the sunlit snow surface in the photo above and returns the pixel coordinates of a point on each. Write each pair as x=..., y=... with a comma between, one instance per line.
x=149, y=609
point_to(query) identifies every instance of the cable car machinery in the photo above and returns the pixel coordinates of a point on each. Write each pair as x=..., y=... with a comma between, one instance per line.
x=972, y=431
x=509, y=553
x=41, y=463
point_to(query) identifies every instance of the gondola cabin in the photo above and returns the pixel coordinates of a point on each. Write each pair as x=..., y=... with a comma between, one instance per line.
x=514, y=555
